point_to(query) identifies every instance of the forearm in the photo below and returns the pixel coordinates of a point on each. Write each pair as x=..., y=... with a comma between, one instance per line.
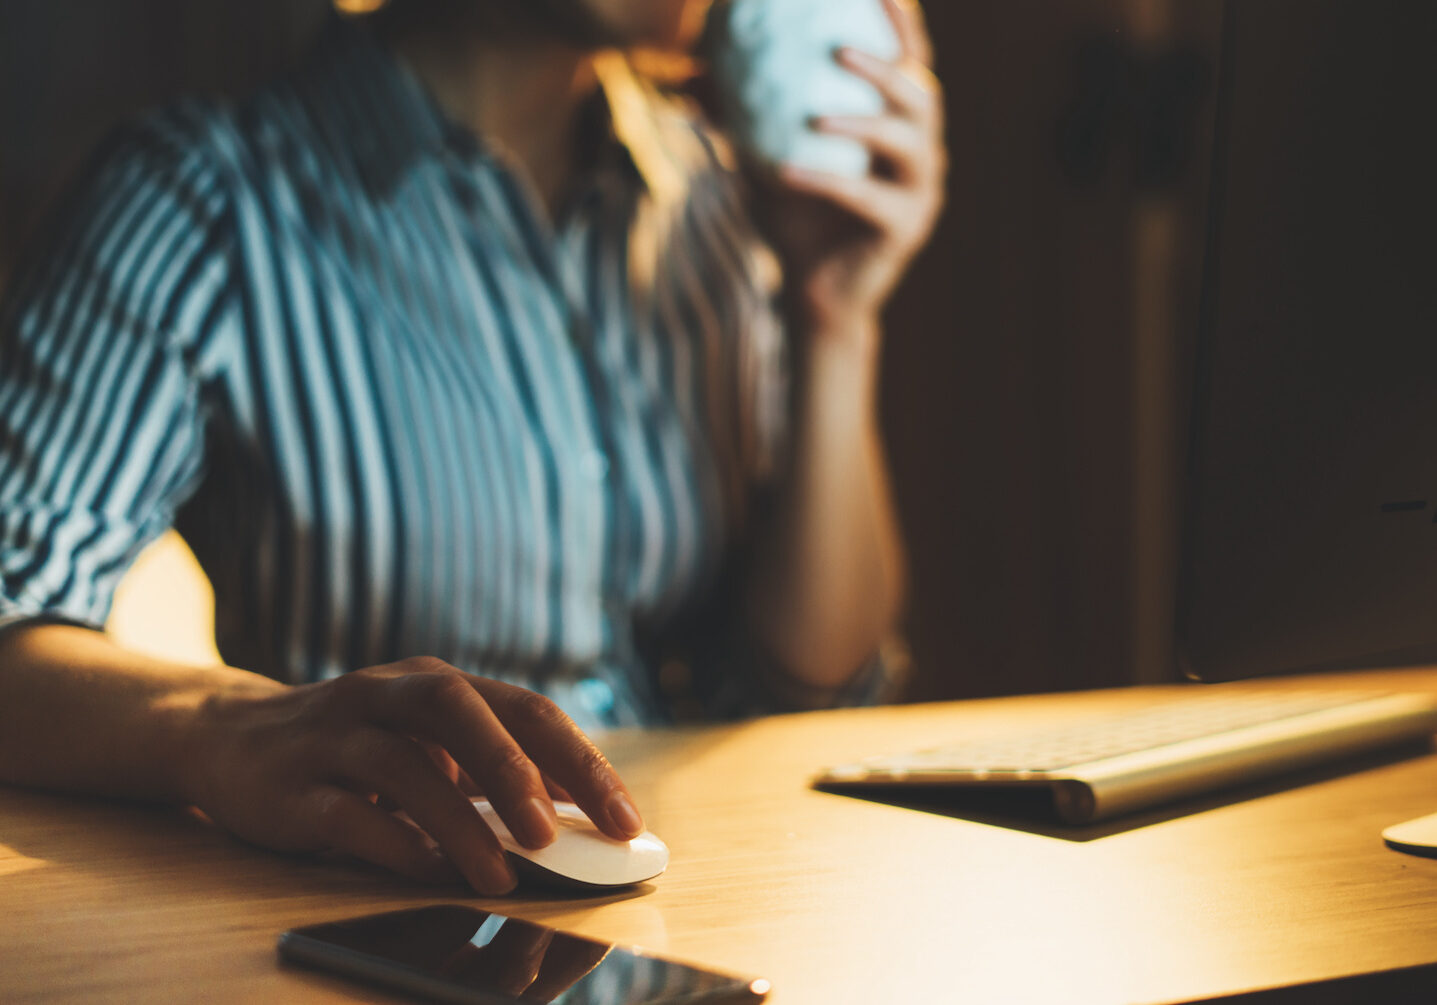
x=297, y=768
x=828, y=577
x=79, y=713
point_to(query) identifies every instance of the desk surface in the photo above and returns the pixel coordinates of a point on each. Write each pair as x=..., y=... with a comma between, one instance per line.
x=833, y=899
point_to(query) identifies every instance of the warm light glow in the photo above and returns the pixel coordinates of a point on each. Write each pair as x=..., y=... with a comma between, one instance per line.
x=12, y=862
x=164, y=607
x=358, y=6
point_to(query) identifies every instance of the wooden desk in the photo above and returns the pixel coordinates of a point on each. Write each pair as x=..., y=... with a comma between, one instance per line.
x=834, y=899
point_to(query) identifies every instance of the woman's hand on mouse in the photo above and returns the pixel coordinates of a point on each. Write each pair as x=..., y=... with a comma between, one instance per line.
x=305, y=768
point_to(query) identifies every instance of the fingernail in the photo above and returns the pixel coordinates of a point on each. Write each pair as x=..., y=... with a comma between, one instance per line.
x=624, y=816
x=541, y=823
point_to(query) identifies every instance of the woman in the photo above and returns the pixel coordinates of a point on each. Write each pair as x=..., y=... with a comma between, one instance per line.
x=459, y=341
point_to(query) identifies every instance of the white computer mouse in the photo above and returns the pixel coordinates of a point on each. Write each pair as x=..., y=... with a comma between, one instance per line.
x=581, y=856
x=1416, y=837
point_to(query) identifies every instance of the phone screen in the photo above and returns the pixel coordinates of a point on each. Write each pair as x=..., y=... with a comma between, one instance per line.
x=461, y=954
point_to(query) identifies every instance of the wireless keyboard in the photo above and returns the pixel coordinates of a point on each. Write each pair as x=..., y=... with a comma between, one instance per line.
x=1114, y=764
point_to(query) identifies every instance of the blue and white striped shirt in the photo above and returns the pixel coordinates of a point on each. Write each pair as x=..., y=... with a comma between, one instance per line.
x=394, y=411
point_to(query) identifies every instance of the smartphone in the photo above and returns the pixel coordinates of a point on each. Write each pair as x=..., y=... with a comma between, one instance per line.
x=453, y=953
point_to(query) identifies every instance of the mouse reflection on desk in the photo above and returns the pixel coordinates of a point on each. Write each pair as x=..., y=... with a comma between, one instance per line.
x=580, y=857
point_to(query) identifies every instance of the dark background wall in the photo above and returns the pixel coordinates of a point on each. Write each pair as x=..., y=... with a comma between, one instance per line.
x=1030, y=371
x=70, y=69
x=1032, y=367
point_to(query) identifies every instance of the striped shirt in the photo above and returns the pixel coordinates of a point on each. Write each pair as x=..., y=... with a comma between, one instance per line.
x=393, y=409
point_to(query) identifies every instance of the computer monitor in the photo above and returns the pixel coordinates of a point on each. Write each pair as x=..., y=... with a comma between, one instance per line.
x=1310, y=523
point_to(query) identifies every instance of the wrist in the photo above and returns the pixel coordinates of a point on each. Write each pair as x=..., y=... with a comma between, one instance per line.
x=856, y=337
x=840, y=364
x=198, y=724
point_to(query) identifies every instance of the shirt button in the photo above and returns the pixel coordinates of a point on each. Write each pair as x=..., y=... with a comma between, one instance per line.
x=594, y=465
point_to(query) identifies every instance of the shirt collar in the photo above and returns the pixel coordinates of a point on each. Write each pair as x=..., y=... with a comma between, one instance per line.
x=635, y=126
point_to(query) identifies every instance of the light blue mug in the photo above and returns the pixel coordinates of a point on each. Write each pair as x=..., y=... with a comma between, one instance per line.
x=773, y=64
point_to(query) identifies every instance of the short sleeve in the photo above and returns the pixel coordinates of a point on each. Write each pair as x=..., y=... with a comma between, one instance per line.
x=101, y=417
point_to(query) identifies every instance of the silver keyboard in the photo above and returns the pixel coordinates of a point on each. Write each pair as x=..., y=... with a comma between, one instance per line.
x=1113, y=764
